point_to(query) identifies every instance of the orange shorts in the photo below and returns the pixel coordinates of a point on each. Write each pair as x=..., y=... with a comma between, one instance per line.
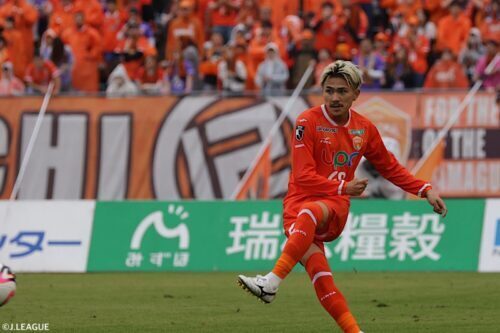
x=338, y=211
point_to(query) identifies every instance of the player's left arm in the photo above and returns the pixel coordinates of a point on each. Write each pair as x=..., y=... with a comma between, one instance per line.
x=389, y=167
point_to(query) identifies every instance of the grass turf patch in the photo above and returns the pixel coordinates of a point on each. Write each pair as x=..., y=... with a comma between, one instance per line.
x=212, y=302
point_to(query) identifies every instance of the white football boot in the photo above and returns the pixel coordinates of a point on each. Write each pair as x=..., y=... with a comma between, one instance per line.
x=259, y=287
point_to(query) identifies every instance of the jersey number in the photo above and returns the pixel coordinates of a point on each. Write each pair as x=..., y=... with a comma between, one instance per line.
x=338, y=175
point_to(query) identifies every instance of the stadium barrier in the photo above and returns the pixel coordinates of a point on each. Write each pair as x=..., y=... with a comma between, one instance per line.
x=381, y=235
x=172, y=148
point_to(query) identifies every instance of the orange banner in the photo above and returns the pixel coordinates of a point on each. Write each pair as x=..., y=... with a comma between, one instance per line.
x=200, y=147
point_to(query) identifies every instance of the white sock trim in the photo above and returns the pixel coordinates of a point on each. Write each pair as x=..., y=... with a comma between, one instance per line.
x=320, y=274
x=308, y=212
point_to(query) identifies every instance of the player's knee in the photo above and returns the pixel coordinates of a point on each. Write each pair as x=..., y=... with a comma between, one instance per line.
x=315, y=211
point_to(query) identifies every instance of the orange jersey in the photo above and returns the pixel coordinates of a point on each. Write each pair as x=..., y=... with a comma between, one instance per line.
x=325, y=156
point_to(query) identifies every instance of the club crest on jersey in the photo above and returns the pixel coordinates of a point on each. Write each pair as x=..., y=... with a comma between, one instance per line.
x=299, y=132
x=357, y=142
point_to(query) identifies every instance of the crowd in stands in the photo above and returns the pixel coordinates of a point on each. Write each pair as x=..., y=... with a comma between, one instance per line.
x=129, y=47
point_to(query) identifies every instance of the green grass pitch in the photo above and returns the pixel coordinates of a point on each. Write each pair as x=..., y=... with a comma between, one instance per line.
x=212, y=302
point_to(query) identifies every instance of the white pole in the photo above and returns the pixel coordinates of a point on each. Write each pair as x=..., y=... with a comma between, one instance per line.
x=453, y=119
x=274, y=129
x=31, y=142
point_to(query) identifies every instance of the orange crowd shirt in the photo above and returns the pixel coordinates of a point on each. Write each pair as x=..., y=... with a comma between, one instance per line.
x=86, y=46
x=16, y=50
x=325, y=156
x=453, y=33
x=43, y=75
x=25, y=16
x=181, y=28
x=446, y=74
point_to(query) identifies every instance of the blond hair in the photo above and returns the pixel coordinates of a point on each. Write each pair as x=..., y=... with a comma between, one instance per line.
x=345, y=69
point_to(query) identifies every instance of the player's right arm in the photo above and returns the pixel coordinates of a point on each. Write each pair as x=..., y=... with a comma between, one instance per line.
x=304, y=167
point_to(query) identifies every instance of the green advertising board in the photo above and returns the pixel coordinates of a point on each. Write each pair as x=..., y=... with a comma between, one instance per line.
x=248, y=235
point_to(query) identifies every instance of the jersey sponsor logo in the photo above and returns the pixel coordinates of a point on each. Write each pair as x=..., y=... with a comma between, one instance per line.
x=326, y=129
x=302, y=120
x=339, y=159
x=299, y=132
x=357, y=142
x=357, y=131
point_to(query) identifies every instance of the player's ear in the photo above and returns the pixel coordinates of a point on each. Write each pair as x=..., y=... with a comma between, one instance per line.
x=356, y=93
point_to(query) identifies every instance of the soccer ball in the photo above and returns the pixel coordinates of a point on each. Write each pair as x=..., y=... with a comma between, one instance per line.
x=7, y=284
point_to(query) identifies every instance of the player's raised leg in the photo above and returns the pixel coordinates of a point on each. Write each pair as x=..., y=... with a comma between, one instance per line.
x=300, y=238
x=327, y=292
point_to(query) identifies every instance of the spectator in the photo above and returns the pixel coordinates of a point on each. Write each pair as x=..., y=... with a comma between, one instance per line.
x=381, y=45
x=327, y=29
x=179, y=75
x=25, y=16
x=272, y=73
x=343, y=52
x=144, y=27
x=16, y=47
x=490, y=25
x=371, y=64
x=10, y=85
x=4, y=52
x=249, y=11
x=417, y=46
x=406, y=8
x=191, y=54
x=315, y=6
x=52, y=48
x=257, y=47
x=277, y=10
x=491, y=80
x=232, y=72
x=291, y=35
x=208, y=66
x=471, y=52
x=436, y=9
x=355, y=23
x=62, y=16
x=119, y=83
x=133, y=48
x=242, y=33
x=183, y=30
x=425, y=26
x=324, y=59
x=303, y=55
x=114, y=20
x=150, y=78
x=400, y=74
x=446, y=73
x=85, y=43
x=40, y=73
x=222, y=16
x=453, y=29
x=92, y=10
x=240, y=53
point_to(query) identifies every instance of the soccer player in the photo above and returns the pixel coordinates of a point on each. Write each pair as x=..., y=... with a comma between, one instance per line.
x=328, y=144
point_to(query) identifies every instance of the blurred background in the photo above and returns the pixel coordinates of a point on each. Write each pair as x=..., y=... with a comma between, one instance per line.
x=120, y=117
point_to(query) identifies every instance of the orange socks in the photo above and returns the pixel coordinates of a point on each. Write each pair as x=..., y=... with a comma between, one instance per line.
x=300, y=239
x=329, y=296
